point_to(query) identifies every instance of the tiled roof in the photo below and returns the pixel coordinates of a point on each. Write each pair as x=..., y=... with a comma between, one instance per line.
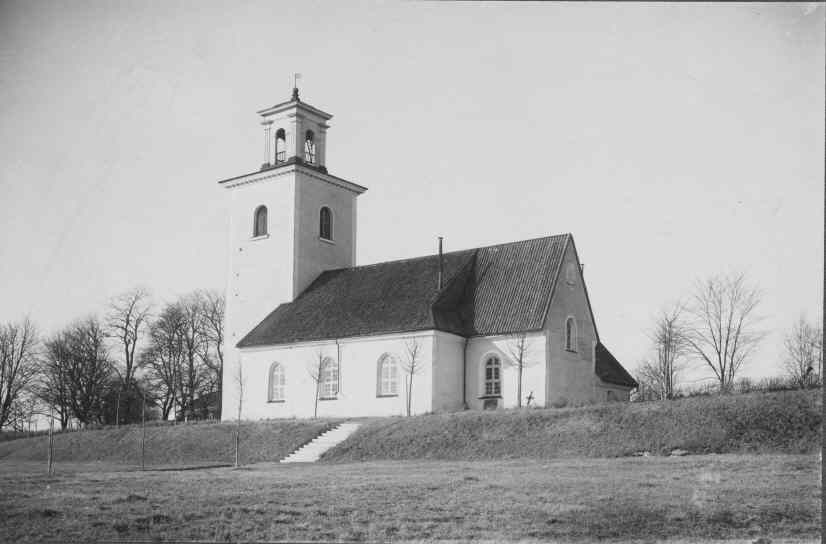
x=610, y=370
x=491, y=290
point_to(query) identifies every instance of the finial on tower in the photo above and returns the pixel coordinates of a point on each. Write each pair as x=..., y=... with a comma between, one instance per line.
x=296, y=77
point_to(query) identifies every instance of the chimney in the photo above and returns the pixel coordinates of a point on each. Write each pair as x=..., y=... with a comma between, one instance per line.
x=441, y=264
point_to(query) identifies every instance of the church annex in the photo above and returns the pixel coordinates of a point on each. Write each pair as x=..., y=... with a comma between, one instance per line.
x=313, y=333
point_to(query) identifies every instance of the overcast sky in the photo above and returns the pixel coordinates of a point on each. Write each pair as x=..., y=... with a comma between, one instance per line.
x=673, y=141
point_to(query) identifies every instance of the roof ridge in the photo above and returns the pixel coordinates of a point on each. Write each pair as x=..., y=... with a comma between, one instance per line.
x=456, y=252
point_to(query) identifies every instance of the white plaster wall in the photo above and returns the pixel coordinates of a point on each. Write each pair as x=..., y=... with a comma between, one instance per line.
x=533, y=378
x=357, y=373
x=448, y=352
x=260, y=274
x=571, y=377
x=312, y=254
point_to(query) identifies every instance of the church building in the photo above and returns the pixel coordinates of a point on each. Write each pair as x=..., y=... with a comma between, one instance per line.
x=309, y=332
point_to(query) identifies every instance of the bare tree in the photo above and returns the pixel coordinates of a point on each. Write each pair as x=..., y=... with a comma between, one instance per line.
x=316, y=372
x=196, y=379
x=519, y=349
x=669, y=339
x=804, y=354
x=411, y=365
x=723, y=333
x=212, y=321
x=54, y=387
x=76, y=370
x=163, y=359
x=90, y=367
x=126, y=320
x=241, y=385
x=19, y=364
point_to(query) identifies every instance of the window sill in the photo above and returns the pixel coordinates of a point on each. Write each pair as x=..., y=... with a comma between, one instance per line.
x=327, y=398
x=276, y=401
x=571, y=350
x=490, y=397
x=262, y=237
x=326, y=241
x=386, y=396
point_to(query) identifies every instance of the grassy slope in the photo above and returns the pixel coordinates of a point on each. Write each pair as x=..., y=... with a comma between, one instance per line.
x=692, y=498
x=186, y=444
x=782, y=422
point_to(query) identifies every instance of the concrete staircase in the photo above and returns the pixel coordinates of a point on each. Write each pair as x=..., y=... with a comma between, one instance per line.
x=312, y=450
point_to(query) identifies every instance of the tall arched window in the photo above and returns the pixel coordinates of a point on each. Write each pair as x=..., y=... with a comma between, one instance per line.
x=387, y=382
x=277, y=383
x=493, y=376
x=280, y=145
x=260, y=223
x=325, y=220
x=570, y=334
x=309, y=147
x=328, y=382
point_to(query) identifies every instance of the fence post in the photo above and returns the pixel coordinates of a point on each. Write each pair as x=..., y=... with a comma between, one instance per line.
x=51, y=440
x=143, y=432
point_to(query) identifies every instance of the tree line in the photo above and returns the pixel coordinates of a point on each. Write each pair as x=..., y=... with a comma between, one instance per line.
x=135, y=359
x=718, y=327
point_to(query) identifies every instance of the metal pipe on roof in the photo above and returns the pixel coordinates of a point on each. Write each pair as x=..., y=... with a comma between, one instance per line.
x=441, y=264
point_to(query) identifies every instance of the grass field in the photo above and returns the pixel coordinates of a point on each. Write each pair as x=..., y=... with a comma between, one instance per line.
x=646, y=498
x=782, y=422
x=171, y=445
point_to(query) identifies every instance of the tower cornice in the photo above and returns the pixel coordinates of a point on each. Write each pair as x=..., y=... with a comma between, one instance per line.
x=289, y=168
x=294, y=104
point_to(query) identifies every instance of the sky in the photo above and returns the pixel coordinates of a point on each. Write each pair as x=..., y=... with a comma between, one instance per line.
x=674, y=141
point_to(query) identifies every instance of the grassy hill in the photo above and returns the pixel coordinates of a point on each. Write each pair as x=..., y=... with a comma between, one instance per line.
x=170, y=445
x=781, y=422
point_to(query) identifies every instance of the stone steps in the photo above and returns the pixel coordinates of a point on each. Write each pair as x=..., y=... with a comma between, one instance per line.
x=312, y=450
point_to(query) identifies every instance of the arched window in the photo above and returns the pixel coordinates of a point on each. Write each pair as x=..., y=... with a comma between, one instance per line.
x=280, y=145
x=328, y=382
x=325, y=220
x=493, y=376
x=260, y=223
x=309, y=147
x=277, y=383
x=570, y=334
x=387, y=383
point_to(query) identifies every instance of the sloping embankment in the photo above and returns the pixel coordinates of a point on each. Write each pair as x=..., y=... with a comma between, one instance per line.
x=781, y=422
x=171, y=445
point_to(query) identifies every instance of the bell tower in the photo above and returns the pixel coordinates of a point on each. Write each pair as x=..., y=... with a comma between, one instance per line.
x=288, y=222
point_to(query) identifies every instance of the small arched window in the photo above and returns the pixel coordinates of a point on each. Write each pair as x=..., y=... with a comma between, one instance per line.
x=280, y=145
x=387, y=376
x=260, y=222
x=309, y=147
x=325, y=220
x=328, y=382
x=493, y=376
x=277, y=383
x=570, y=334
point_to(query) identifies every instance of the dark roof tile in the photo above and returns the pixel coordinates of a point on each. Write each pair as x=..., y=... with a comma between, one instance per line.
x=610, y=370
x=491, y=290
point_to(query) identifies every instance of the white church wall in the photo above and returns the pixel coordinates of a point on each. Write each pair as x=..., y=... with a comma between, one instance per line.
x=533, y=378
x=358, y=373
x=571, y=376
x=448, y=352
x=257, y=280
x=313, y=254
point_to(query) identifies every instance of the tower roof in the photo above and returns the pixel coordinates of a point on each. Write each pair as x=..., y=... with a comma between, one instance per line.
x=294, y=102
